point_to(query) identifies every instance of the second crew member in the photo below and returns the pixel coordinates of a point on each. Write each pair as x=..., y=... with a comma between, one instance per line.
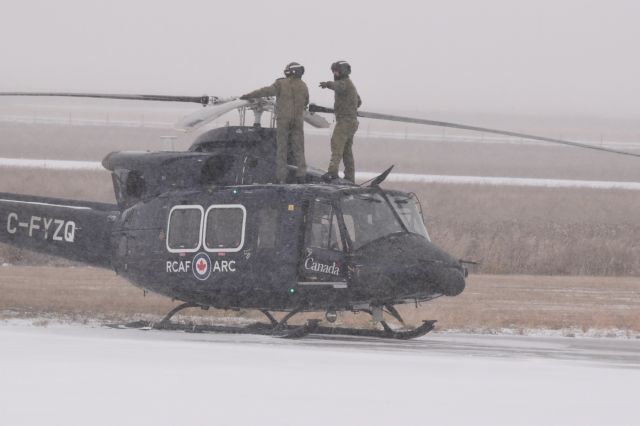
x=346, y=104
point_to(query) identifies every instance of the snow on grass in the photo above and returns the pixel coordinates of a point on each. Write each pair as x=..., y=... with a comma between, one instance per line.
x=364, y=176
x=502, y=181
x=50, y=164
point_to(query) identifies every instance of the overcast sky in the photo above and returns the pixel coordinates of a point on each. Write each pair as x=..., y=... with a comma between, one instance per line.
x=558, y=57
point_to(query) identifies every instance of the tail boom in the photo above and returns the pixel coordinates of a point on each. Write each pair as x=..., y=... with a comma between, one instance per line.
x=75, y=230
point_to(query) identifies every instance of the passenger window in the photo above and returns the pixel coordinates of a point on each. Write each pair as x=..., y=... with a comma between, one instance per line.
x=183, y=229
x=267, y=228
x=224, y=228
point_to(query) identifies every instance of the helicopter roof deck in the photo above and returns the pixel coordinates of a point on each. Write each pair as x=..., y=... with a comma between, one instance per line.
x=224, y=156
x=255, y=145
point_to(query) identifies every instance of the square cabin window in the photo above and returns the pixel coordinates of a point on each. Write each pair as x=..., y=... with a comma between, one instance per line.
x=184, y=228
x=224, y=228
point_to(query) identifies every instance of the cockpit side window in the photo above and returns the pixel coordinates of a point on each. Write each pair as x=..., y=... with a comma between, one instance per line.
x=323, y=230
x=184, y=229
x=367, y=217
x=409, y=209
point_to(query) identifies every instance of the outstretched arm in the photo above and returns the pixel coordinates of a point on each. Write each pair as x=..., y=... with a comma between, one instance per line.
x=260, y=93
x=333, y=85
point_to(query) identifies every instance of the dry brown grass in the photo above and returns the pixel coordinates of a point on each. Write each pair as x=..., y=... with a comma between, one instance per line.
x=489, y=302
x=536, y=230
x=74, y=292
x=525, y=301
x=76, y=185
x=79, y=143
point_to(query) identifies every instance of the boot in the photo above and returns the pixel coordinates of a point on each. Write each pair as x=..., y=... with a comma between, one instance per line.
x=328, y=177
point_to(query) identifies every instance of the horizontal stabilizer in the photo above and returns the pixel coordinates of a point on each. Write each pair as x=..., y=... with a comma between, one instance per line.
x=75, y=230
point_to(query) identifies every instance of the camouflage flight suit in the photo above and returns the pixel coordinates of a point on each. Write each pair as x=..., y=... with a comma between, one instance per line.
x=292, y=96
x=346, y=104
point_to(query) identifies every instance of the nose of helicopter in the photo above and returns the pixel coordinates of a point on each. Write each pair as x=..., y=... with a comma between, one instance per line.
x=409, y=264
x=450, y=279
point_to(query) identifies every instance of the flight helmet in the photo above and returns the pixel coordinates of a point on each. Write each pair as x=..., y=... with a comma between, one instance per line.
x=342, y=68
x=294, y=69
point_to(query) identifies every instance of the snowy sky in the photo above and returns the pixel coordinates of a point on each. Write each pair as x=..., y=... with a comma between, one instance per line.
x=562, y=57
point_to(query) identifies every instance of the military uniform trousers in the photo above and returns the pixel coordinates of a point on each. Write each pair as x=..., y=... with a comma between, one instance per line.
x=289, y=131
x=341, y=147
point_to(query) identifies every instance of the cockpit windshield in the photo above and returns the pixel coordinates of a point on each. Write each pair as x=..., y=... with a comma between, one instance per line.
x=408, y=208
x=367, y=217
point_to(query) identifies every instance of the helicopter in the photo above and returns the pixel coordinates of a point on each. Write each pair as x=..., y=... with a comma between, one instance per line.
x=210, y=228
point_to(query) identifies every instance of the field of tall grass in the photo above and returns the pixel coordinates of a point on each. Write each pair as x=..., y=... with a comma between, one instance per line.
x=490, y=303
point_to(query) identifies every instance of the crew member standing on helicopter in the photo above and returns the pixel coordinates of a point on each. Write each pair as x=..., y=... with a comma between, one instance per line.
x=292, y=97
x=346, y=104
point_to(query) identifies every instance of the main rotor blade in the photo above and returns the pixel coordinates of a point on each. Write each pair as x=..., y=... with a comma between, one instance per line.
x=204, y=100
x=316, y=120
x=374, y=115
x=208, y=114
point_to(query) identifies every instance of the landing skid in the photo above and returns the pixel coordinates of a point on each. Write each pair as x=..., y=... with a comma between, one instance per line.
x=287, y=332
x=281, y=328
x=387, y=333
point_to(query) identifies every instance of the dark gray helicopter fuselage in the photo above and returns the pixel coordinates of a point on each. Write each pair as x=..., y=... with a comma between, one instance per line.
x=208, y=227
x=279, y=250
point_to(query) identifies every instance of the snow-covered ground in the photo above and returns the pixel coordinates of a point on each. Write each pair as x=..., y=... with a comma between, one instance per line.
x=81, y=375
